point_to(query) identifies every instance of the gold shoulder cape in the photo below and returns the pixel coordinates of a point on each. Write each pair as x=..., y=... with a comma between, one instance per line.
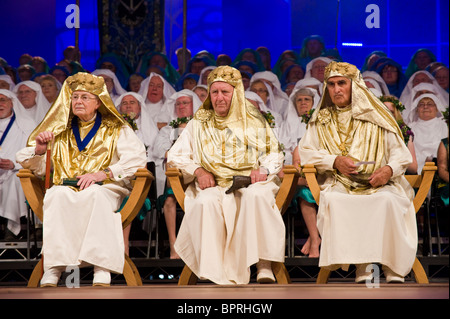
x=231, y=145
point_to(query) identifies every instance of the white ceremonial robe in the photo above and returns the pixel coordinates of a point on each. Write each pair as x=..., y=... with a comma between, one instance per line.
x=357, y=229
x=163, y=142
x=12, y=199
x=222, y=235
x=84, y=227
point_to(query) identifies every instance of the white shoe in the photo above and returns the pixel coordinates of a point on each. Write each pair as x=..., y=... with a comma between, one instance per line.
x=392, y=277
x=102, y=277
x=264, y=274
x=362, y=275
x=51, y=277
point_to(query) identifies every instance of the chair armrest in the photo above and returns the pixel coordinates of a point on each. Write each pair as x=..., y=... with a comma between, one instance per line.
x=423, y=182
x=176, y=182
x=310, y=174
x=288, y=188
x=33, y=188
x=142, y=182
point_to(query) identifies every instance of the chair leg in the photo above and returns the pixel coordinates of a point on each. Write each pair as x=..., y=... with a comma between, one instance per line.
x=131, y=273
x=36, y=275
x=324, y=275
x=419, y=273
x=187, y=277
x=281, y=273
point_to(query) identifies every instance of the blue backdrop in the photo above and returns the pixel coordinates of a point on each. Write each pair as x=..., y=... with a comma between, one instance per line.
x=39, y=27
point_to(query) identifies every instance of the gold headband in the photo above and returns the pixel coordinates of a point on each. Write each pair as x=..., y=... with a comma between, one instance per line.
x=341, y=69
x=226, y=74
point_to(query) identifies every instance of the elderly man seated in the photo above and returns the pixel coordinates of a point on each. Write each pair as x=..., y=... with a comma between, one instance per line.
x=366, y=214
x=94, y=154
x=224, y=232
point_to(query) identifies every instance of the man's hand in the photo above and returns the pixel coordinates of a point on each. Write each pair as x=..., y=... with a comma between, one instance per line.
x=6, y=164
x=205, y=179
x=258, y=175
x=86, y=180
x=381, y=176
x=41, y=142
x=345, y=165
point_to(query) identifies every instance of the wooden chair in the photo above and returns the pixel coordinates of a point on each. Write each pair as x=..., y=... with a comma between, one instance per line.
x=421, y=182
x=283, y=199
x=34, y=190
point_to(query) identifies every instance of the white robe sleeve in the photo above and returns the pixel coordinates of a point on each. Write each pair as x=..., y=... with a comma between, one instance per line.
x=311, y=153
x=130, y=152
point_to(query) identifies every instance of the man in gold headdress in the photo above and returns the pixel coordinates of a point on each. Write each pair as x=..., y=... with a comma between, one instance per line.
x=365, y=212
x=224, y=233
x=92, y=144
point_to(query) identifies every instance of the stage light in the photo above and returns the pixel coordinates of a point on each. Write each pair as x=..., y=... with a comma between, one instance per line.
x=352, y=44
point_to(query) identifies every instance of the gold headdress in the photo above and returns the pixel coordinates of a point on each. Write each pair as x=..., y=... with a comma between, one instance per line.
x=365, y=105
x=60, y=113
x=243, y=133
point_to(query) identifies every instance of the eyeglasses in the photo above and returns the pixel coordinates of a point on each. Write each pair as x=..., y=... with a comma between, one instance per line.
x=4, y=100
x=84, y=98
x=422, y=105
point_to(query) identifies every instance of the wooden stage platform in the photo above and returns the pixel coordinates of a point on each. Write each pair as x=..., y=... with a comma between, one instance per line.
x=241, y=292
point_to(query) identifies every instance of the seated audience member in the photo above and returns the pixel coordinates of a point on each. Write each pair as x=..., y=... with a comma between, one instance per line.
x=442, y=164
x=223, y=59
x=265, y=55
x=50, y=87
x=134, y=82
x=204, y=74
x=60, y=73
x=187, y=81
x=130, y=105
x=429, y=128
x=277, y=99
x=183, y=58
x=316, y=68
x=117, y=64
x=182, y=105
x=419, y=61
x=201, y=91
x=6, y=82
x=160, y=60
x=40, y=65
x=156, y=90
x=349, y=129
x=419, y=90
x=32, y=99
x=292, y=74
x=392, y=74
x=15, y=127
x=25, y=72
x=113, y=85
x=396, y=108
x=81, y=226
x=372, y=75
x=441, y=74
x=222, y=234
x=313, y=47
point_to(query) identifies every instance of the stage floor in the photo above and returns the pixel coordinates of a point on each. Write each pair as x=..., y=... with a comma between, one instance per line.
x=251, y=291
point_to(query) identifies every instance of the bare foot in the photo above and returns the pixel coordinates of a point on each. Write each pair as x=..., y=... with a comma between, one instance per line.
x=311, y=247
x=173, y=253
x=314, y=251
x=306, y=246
